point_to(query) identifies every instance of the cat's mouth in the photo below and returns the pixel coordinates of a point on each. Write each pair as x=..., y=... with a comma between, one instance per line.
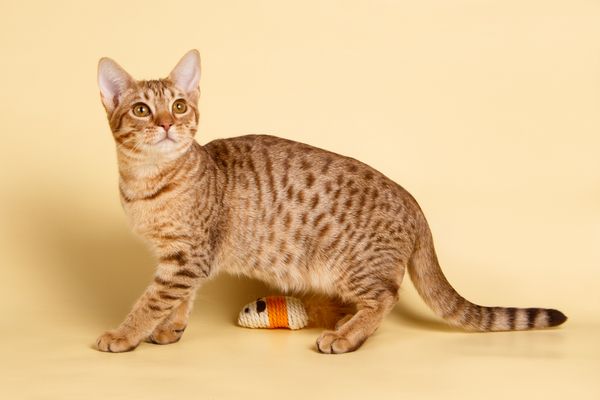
x=167, y=138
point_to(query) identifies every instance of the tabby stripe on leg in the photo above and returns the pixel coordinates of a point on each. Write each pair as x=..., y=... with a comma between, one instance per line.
x=167, y=296
x=161, y=281
x=178, y=258
x=186, y=273
x=180, y=286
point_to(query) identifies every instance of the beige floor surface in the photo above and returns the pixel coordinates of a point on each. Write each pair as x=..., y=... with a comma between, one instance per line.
x=411, y=356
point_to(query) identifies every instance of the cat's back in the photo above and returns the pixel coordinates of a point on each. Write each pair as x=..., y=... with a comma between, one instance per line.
x=278, y=169
x=230, y=151
x=286, y=158
x=297, y=165
x=275, y=173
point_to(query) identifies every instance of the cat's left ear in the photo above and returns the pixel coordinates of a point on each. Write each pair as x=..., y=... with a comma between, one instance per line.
x=186, y=74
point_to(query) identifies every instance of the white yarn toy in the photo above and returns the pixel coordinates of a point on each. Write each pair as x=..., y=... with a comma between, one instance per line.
x=274, y=312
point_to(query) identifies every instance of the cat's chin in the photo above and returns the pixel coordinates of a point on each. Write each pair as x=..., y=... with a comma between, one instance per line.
x=166, y=149
x=165, y=145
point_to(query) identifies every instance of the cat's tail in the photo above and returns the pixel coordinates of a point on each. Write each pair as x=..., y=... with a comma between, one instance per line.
x=437, y=292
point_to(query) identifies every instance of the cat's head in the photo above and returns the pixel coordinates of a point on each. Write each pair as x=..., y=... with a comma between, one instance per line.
x=154, y=118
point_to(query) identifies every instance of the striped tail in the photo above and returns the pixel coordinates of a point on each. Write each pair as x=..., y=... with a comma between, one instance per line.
x=434, y=288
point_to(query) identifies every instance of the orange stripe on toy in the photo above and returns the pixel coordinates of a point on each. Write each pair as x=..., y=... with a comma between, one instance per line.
x=277, y=309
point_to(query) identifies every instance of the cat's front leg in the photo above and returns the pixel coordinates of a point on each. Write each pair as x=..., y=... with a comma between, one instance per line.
x=174, y=283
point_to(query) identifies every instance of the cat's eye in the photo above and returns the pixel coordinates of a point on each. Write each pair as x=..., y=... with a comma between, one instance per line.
x=141, y=110
x=179, y=107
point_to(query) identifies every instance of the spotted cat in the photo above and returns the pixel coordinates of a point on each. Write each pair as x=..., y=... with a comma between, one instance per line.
x=297, y=217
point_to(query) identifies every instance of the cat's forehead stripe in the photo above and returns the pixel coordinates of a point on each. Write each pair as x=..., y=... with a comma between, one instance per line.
x=157, y=88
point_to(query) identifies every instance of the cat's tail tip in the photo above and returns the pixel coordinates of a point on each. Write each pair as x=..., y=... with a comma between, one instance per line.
x=555, y=317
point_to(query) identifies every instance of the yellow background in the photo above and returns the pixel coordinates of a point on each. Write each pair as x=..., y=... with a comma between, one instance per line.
x=488, y=112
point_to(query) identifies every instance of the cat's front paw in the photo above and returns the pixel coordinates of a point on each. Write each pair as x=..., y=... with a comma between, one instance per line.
x=332, y=343
x=166, y=334
x=115, y=342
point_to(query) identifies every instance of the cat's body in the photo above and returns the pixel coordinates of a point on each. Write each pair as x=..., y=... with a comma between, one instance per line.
x=297, y=217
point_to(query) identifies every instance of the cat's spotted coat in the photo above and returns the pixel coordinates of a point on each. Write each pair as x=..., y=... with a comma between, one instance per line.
x=295, y=216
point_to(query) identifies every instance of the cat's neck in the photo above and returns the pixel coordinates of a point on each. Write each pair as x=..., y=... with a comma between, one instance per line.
x=146, y=174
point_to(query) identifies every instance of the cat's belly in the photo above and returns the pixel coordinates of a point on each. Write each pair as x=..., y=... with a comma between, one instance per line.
x=292, y=277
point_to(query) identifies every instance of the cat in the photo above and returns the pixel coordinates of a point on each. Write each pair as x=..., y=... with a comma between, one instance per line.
x=297, y=217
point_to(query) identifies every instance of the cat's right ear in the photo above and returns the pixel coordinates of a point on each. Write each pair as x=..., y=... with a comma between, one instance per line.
x=113, y=81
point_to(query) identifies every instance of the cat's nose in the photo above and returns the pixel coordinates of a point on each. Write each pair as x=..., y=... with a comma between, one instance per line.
x=166, y=126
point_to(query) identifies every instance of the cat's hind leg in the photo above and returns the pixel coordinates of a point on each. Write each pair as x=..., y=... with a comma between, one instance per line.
x=172, y=328
x=374, y=298
x=342, y=321
x=352, y=333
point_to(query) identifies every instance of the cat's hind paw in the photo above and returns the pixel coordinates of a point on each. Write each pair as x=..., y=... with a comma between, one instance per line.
x=333, y=343
x=115, y=342
x=167, y=334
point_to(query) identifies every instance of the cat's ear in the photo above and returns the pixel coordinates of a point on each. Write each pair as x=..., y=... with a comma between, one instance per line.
x=186, y=74
x=113, y=81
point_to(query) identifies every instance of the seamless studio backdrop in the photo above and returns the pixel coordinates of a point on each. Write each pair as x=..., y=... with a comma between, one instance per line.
x=486, y=111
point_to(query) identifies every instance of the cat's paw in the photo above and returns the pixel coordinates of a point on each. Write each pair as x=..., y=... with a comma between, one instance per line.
x=115, y=342
x=169, y=333
x=333, y=343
